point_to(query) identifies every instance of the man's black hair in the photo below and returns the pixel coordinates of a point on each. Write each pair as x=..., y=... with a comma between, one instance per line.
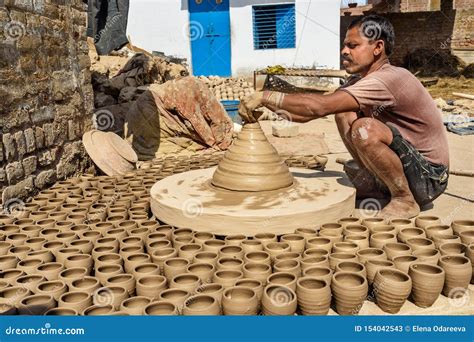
x=376, y=27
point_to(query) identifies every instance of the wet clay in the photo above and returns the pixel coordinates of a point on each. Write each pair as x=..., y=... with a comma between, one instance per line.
x=252, y=164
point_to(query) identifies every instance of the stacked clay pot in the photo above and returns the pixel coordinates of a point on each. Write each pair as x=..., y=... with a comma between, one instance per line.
x=91, y=246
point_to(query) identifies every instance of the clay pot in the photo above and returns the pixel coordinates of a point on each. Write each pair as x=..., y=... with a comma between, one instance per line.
x=29, y=265
x=63, y=253
x=260, y=257
x=319, y=272
x=392, y=288
x=131, y=241
x=10, y=275
x=174, y=266
x=400, y=223
x=159, y=256
x=251, y=246
x=240, y=300
x=349, y=290
x=257, y=271
x=13, y=295
x=235, y=240
x=335, y=228
x=108, y=259
x=50, y=270
x=428, y=281
x=453, y=248
x=254, y=284
x=71, y=274
x=35, y=243
x=189, y=251
x=135, y=260
x=288, y=256
x=372, y=267
x=442, y=239
x=186, y=281
x=458, y=271
x=227, y=278
x=102, y=273
x=4, y=247
x=79, y=260
x=98, y=310
x=360, y=240
x=151, y=286
x=371, y=254
x=175, y=296
x=437, y=230
x=213, y=245
x=395, y=249
x=379, y=240
x=75, y=300
x=307, y=262
x=213, y=290
x=201, y=237
x=290, y=266
x=36, y=305
x=181, y=232
x=284, y=279
x=411, y=232
x=145, y=269
x=336, y=258
x=111, y=295
x=86, y=284
x=62, y=312
x=132, y=250
x=403, y=262
x=201, y=305
x=417, y=244
x=320, y=243
x=307, y=233
x=44, y=255
x=265, y=238
x=345, y=247
x=427, y=256
x=278, y=300
x=426, y=221
x=125, y=280
x=356, y=229
x=20, y=252
x=203, y=270
x=85, y=246
x=17, y=239
x=29, y=281
x=314, y=296
x=345, y=221
x=372, y=222
x=134, y=305
x=55, y=288
x=467, y=236
x=351, y=266
x=231, y=252
x=29, y=229
x=460, y=226
x=161, y=309
x=295, y=241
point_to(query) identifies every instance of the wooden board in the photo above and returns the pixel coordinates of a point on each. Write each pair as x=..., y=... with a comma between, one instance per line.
x=189, y=200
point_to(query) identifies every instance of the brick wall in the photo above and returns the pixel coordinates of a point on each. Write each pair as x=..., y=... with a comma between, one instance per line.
x=45, y=93
x=449, y=29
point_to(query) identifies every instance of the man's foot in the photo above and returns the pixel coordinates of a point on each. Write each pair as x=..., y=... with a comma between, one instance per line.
x=400, y=207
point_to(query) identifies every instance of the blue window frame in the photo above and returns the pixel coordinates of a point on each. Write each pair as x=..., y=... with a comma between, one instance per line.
x=274, y=27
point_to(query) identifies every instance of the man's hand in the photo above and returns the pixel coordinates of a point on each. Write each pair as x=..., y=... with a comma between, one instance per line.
x=248, y=106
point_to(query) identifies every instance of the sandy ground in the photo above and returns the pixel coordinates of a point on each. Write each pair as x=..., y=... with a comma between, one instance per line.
x=456, y=203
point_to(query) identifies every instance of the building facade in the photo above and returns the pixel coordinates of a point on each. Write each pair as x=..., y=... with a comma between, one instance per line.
x=235, y=37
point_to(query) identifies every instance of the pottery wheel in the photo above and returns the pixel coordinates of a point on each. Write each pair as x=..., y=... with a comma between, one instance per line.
x=189, y=200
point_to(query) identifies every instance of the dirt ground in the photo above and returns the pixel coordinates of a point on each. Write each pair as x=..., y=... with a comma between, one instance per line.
x=456, y=203
x=447, y=85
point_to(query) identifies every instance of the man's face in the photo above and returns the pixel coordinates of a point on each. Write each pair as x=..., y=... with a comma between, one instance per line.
x=358, y=52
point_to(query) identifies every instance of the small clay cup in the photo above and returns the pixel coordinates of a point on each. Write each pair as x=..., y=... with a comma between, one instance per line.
x=207, y=257
x=428, y=281
x=392, y=288
x=417, y=244
x=125, y=280
x=336, y=258
x=265, y=238
x=453, y=248
x=371, y=254
x=186, y=281
x=161, y=308
x=320, y=243
x=151, y=286
x=251, y=246
x=36, y=304
x=379, y=240
x=345, y=247
x=30, y=281
x=356, y=229
x=86, y=284
x=188, y=251
x=307, y=232
x=253, y=284
x=175, y=296
x=426, y=221
x=145, y=269
x=349, y=290
x=351, y=266
x=236, y=252
x=55, y=288
x=360, y=240
x=50, y=270
x=257, y=271
x=409, y=233
x=75, y=300
x=290, y=266
x=98, y=310
x=203, y=270
x=403, y=262
x=372, y=266
x=278, y=300
x=61, y=312
x=110, y=295
x=314, y=296
x=260, y=257
x=458, y=271
x=460, y=226
x=102, y=273
x=235, y=240
x=201, y=305
x=227, y=278
x=400, y=223
x=174, y=266
x=427, y=256
x=436, y=230
x=230, y=264
x=297, y=242
x=213, y=290
x=240, y=300
x=308, y=262
x=134, y=305
x=319, y=272
x=394, y=249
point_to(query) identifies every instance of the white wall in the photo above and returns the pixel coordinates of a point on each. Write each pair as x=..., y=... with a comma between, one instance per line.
x=162, y=25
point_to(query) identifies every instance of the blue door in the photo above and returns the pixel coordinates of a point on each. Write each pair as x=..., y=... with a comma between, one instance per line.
x=209, y=32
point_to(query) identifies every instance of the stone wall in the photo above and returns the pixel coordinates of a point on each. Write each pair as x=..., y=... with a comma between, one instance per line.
x=444, y=30
x=45, y=94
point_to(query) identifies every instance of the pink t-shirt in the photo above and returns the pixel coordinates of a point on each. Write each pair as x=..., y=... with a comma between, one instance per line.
x=393, y=95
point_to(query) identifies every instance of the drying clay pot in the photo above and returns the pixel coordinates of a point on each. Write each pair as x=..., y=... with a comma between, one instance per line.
x=79, y=260
x=204, y=271
x=159, y=256
x=134, y=260
x=395, y=249
x=11, y=275
x=125, y=280
x=348, y=220
x=417, y=244
x=306, y=232
x=251, y=246
x=372, y=222
x=98, y=310
x=175, y=296
x=351, y=266
x=188, y=251
x=174, y=266
x=257, y=271
x=50, y=270
x=360, y=240
x=86, y=284
x=13, y=295
x=356, y=230
x=283, y=279
x=239, y=300
x=230, y=264
x=108, y=259
x=349, y=290
x=426, y=221
x=453, y=248
x=253, y=284
x=111, y=295
x=8, y=261
x=384, y=228
x=320, y=243
x=62, y=312
x=186, y=281
x=379, y=240
x=290, y=266
x=427, y=256
x=467, y=236
x=55, y=288
x=227, y=278
x=71, y=274
x=36, y=305
x=235, y=240
x=428, y=282
x=437, y=230
x=29, y=281
x=470, y=256
x=442, y=239
x=400, y=223
x=145, y=269
x=134, y=305
x=200, y=237
x=265, y=238
x=312, y=261
x=278, y=300
x=411, y=232
x=213, y=290
x=297, y=242
x=151, y=286
x=161, y=308
x=314, y=296
x=460, y=226
x=75, y=300
x=392, y=287
x=345, y=247
x=373, y=266
x=231, y=252
x=319, y=272
x=104, y=272
x=458, y=271
x=201, y=305
x=288, y=256
x=367, y=254
x=403, y=262
x=259, y=257
x=336, y=258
